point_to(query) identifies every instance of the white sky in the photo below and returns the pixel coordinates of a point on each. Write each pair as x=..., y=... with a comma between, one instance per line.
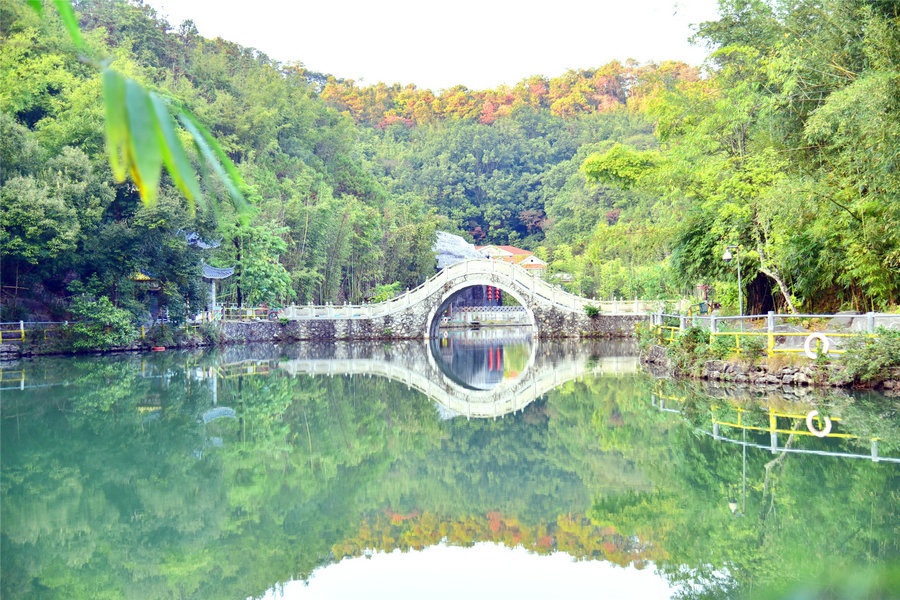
x=477, y=43
x=485, y=570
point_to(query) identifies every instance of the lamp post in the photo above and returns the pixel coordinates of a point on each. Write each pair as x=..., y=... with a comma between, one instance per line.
x=737, y=256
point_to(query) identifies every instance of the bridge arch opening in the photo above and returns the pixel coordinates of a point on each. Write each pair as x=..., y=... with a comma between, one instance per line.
x=493, y=294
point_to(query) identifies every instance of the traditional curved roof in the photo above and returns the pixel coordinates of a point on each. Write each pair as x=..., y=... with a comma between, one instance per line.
x=217, y=272
x=195, y=241
x=141, y=276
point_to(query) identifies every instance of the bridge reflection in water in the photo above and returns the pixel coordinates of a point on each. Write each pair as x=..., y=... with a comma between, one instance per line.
x=476, y=374
x=482, y=359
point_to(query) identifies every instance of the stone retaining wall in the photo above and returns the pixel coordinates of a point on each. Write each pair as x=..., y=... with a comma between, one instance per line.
x=320, y=329
x=554, y=324
x=761, y=375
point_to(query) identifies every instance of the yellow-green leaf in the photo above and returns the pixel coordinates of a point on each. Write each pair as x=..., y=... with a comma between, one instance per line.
x=144, y=152
x=217, y=159
x=173, y=154
x=116, y=123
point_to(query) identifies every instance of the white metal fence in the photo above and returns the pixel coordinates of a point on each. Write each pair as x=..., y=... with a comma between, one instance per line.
x=810, y=334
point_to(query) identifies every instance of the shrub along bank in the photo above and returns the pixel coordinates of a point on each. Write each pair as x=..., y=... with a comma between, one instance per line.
x=108, y=331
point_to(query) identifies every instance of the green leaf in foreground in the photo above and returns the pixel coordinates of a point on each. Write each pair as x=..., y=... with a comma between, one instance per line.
x=223, y=167
x=141, y=137
x=173, y=155
x=70, y=21
x=116, y=123
x=143, y=148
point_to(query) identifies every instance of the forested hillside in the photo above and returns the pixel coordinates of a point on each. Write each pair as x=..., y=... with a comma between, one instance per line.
x=629, y=179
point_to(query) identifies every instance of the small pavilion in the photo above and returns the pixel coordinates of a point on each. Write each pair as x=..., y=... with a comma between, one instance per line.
x=213, y=274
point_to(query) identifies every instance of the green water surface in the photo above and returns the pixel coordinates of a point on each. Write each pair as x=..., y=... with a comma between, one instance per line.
x=225, y=474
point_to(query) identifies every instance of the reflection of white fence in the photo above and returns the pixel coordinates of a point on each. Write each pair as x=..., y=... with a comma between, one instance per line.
x=774, y=426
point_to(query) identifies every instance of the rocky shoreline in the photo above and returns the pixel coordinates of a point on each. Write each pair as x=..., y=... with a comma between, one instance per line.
x=761, y=374
x=742, y=372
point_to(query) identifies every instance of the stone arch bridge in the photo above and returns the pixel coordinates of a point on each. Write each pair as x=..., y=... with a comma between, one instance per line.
x=415, y=314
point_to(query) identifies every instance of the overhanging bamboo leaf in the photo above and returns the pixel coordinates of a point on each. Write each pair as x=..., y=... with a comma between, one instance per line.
x=70, y=21
x=173, y=154
x=144, y=152
x=37, y=6
x=116, y=123
x=217, y=159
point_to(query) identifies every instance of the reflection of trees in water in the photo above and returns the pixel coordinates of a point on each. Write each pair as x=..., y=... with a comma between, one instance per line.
x=769, y=521
x=99, y=498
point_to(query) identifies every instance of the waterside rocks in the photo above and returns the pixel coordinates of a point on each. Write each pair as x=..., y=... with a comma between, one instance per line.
x=746, y=373
x=10, y=352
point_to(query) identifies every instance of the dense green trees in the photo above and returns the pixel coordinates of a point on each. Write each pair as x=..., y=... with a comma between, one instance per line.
x=319, y=223
x=789, y=150
x=628, y=179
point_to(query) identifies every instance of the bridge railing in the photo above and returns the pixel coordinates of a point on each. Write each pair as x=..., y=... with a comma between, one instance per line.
x=520, y=280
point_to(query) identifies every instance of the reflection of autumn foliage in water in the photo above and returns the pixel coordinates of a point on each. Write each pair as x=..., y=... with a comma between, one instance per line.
x=575, y=535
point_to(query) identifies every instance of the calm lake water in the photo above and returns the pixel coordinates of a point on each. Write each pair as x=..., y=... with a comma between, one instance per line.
x=484, y=465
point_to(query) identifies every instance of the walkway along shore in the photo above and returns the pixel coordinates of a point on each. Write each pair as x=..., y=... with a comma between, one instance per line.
x=557, y=325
